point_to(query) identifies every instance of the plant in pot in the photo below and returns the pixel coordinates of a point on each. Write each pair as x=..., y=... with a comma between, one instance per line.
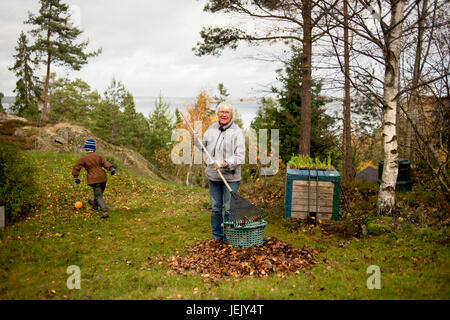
x=312, y=189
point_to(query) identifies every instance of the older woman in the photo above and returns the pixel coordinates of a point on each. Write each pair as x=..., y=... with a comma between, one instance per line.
x=225, y=142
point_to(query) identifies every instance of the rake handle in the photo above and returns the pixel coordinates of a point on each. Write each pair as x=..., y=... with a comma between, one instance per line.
x=206, y=151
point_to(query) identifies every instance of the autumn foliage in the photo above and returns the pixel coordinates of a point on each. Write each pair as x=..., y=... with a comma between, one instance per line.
x=200, y=111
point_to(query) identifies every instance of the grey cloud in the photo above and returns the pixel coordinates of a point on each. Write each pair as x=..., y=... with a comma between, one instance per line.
x=147, y=45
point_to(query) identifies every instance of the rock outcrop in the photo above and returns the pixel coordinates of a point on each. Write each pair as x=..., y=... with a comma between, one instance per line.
x=68, y=138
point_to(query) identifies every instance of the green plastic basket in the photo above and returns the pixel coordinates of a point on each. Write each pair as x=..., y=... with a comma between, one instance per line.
x=245, y=236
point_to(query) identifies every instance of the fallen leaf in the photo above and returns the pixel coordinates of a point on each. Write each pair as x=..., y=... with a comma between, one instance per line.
x=50, y=292
x=207, y=258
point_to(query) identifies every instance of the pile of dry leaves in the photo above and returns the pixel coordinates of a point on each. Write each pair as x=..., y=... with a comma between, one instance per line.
x=215, y=258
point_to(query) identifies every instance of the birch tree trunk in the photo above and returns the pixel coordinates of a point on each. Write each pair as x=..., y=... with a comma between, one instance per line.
x=188, y=174
x=393, y=34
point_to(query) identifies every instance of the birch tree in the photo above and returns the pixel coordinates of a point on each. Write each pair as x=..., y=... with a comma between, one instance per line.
x=391, y=52
x=382, y=30
x=378, y=32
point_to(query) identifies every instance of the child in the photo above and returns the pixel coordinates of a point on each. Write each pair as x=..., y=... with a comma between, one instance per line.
x=96, y=176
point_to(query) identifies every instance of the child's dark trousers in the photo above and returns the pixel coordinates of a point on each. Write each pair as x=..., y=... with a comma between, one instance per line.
x=98, y=189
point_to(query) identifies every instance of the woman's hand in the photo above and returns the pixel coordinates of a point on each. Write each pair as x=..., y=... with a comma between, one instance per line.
x=216, y=165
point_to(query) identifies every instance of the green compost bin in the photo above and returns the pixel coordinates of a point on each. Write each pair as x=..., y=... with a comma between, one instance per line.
x=404, y=174
x=310, y=181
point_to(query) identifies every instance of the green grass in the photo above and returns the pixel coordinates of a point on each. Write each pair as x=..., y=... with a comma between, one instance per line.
x=124, y=257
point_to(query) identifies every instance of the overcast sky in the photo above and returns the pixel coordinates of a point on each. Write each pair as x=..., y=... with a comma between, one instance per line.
x=147, y=45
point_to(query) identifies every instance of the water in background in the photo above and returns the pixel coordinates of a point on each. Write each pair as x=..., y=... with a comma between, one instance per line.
x=246, y=108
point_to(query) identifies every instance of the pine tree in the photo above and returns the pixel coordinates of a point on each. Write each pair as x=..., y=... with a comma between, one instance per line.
x=285, y=114
x=55, y=41
x=160, y=126
x=131, y=124
x=107, y=114
x=27, y=85
x=72, y=101
x=222, y=96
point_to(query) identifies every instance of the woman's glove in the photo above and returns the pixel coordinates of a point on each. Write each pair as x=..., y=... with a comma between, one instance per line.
x=113, y=171
x=77, y=181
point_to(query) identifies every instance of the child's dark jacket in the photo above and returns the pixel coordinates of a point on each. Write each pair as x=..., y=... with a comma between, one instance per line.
x=94, y=164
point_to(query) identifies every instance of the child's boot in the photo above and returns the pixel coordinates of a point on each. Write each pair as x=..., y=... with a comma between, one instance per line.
x=93, y=203
x=104, y=214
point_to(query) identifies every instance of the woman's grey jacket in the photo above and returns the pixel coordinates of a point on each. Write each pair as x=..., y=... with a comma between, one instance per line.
x=227, y=144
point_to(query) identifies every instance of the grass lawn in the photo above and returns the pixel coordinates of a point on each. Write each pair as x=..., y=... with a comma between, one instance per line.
x=125, y=256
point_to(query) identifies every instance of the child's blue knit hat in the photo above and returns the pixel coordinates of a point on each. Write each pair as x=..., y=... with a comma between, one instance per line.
x=90, y=144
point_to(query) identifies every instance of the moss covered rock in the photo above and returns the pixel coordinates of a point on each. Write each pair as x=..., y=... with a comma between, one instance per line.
x=378, y=228
x=379, y=225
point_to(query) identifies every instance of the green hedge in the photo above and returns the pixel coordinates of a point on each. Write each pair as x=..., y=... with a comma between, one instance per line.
x=17, y=182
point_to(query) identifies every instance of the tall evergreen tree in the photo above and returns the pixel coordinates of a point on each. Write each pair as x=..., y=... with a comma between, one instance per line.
x=132, y=125
x=285, y=114
x=115, y=118
x=55, y=41
x=160, y=128
x=27, y=85
x=107, y=114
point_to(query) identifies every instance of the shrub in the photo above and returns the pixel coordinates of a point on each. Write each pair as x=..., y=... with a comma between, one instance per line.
x=18, y=185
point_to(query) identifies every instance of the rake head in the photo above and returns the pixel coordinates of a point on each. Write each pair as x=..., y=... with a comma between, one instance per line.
x=242, y=208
